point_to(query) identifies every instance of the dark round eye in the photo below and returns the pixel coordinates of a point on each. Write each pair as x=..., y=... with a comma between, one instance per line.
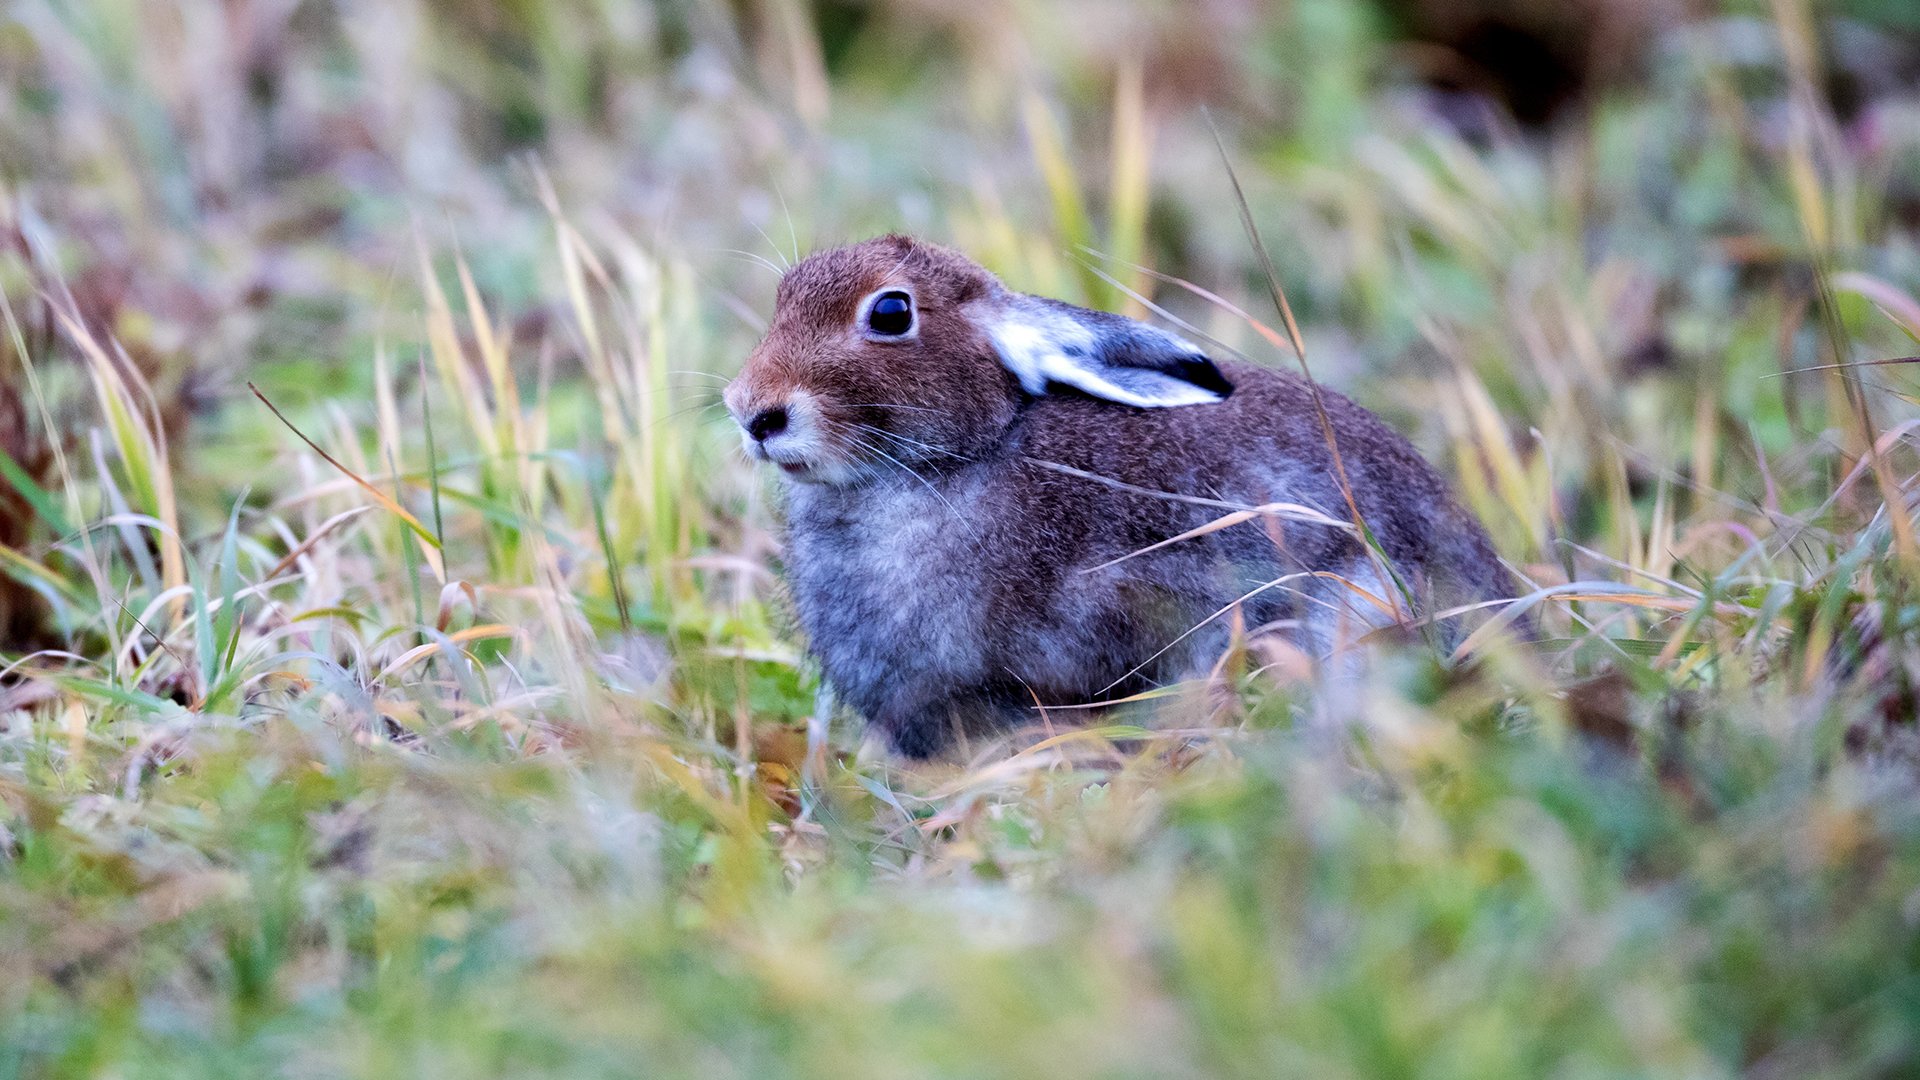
x=891, y=315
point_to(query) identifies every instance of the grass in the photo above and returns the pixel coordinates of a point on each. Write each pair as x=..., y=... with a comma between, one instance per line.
x=431, y=710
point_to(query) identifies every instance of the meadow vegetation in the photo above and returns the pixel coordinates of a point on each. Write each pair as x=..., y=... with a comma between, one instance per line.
x=394, y=675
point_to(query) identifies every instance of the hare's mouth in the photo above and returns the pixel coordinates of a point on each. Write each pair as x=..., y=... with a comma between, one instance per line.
x=805, y=472
x=793, y=467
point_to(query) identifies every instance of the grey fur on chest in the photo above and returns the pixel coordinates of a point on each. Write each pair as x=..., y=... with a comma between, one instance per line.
x=891, y=587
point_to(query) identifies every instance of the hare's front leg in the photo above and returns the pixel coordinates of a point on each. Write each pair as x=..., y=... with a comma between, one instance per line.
x=932, y=727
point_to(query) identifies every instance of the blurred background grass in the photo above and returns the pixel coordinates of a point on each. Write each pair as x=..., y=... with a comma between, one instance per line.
x=460, y=732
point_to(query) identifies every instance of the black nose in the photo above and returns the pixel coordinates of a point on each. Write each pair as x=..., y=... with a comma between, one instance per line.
x=767, y=422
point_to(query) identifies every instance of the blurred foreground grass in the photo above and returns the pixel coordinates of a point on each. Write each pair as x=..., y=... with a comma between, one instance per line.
x=467, y=738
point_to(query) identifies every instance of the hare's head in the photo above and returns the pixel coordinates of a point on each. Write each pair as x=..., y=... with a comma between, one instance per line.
x=894, y=354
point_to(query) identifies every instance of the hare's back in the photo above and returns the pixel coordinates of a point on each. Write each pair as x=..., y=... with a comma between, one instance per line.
x=1267, y=442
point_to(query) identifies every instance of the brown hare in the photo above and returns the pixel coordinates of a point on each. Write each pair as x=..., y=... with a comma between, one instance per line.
x=979, y=479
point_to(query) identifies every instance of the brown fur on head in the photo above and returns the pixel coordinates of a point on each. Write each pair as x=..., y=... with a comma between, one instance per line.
x=895, y=354
x=845, y=399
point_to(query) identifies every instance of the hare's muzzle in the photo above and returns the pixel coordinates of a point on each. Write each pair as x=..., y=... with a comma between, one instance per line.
x=785, y=431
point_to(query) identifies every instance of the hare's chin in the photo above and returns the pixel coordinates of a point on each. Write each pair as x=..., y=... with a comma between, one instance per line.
x=806, y=472
x=811, y=475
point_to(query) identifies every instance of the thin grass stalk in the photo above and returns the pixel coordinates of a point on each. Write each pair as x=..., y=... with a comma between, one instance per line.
x=1070, y=218
x=1130, y=185
x=141, y=449
x=1381, y=564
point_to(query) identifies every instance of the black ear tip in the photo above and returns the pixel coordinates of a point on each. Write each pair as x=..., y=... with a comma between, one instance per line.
x=1197, y=369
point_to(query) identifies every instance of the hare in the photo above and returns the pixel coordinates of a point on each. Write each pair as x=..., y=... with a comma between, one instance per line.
x=988, y=495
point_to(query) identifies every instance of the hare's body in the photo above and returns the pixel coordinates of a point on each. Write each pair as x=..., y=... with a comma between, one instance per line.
x=968, y=539
x=958, y=597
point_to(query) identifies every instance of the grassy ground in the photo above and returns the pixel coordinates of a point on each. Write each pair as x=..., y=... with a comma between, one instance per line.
x=430, y=709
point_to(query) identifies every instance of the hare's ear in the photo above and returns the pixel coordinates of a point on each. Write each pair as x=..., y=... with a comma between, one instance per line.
x=1045, y=342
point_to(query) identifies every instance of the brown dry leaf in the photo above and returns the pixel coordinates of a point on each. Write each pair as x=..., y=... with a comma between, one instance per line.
x=1602, y=708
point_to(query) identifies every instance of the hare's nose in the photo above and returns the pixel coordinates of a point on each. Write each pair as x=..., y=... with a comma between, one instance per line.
x=767, y=423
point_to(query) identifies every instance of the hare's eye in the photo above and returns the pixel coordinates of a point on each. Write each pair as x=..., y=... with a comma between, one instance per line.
x=891, y=314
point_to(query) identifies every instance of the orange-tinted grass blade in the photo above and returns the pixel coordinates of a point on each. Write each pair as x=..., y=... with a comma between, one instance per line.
x=374, y=493
x=419, y=652
x=1289, y=511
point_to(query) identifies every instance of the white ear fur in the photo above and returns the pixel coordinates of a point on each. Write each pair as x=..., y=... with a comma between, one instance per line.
x=1107, y=356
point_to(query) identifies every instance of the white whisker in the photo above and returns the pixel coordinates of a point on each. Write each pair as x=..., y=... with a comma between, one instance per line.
x=792, y=234
x=761, y=259
x=869, y=447
x=916, y=443
x=774, y=246
x=889, y=405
